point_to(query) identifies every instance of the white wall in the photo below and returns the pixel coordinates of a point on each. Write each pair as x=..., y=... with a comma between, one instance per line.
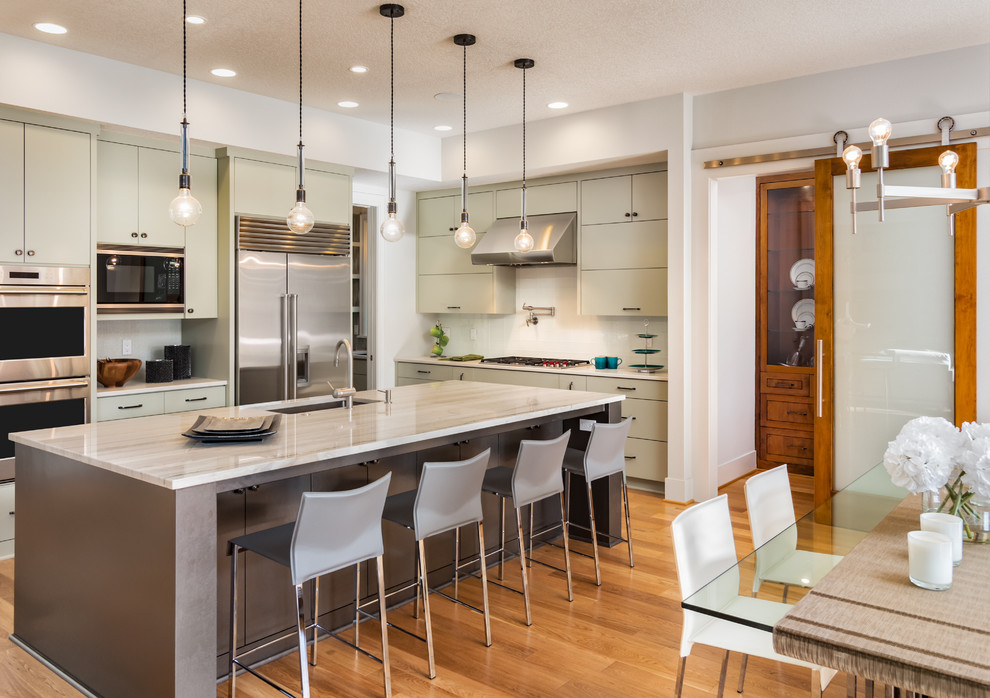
x=148, y=340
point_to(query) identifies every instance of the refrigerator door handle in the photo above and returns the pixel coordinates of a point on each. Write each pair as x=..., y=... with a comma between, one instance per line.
x=294, y=344
x=284, y=350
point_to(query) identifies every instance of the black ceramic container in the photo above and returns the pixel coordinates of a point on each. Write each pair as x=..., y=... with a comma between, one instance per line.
x=158, y=371
x=181, y=357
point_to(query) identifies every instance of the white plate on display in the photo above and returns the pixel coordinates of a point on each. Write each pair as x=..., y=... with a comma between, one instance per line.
x=804, y=311
x=803, y=273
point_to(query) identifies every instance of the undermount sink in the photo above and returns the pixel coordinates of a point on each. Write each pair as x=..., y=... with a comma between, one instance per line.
x=332, y=404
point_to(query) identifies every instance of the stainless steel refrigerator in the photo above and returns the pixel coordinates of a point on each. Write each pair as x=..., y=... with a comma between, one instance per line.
x=293, y=306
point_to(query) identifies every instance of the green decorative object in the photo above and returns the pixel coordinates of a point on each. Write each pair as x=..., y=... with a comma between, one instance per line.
x=441, y=339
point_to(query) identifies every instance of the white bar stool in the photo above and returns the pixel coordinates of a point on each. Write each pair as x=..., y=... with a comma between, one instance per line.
x=537, y=476
x=604, y=456
x=333, y=530
x=448, y=497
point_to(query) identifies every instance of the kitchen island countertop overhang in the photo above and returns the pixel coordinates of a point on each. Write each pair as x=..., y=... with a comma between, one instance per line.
x=153, y=450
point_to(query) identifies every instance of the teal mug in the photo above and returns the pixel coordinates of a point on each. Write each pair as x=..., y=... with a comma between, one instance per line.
x=601, y=362
x=612, y=362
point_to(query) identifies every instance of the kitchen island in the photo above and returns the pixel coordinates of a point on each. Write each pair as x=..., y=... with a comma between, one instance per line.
x=122, y=525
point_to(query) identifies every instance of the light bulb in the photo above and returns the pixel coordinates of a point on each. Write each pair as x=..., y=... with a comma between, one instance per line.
x=185, y=210
x=524, y=241
x=948, y=161
x=851, y=156
x=392, y=229
x=300, y=219
x=879, y=131
x=465, y=236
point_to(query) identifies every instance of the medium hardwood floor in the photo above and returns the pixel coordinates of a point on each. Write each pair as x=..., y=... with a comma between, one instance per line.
x=620, y=639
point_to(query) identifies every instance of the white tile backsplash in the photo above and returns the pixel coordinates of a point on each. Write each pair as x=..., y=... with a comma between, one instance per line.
x=566, y=335
x=148, y=339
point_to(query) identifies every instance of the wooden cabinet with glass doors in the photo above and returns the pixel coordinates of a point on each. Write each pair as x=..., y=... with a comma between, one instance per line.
x=785, y=328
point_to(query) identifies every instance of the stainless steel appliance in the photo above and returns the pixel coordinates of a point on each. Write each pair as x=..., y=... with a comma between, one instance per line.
x=554, y=238
x=140, y=279
x=293, y=306
x=44, y=351
x=534, y=361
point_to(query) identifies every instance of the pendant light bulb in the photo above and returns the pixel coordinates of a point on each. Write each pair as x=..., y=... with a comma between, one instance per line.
x=392, y=229
x=524, y=241
x=880, y=131
x=300, y=219
x=185, y=209
x=852, y=156
x=464, y=236
x=948, y=161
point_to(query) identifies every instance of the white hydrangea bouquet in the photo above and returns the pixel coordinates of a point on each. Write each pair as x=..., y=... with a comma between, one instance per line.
x=930, y=453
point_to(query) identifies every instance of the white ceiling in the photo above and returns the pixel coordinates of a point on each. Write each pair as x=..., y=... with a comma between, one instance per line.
x=590, y=53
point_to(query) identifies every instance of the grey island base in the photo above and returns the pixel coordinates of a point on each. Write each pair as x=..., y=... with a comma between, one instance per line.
x=122, y=570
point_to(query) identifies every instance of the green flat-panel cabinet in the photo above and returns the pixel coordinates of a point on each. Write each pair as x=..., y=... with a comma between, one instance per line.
x=12, y=191
x=201, y=242
x=638, y=197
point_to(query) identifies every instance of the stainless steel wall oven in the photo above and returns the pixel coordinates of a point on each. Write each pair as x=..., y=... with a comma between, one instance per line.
x=44, y=351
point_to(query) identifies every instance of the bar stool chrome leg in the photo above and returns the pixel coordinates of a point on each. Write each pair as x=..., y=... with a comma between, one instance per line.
x=742, y=671
x=501, y=538
x=381, y=611
x=484, y=584
x=457, y=556
x=522, y=564
x=594, y=536
x=357, y=603
x=301, y=632
x=424, y=583
x=625, y=498
x=316, y=616
x=567, y=548
x=233, y=618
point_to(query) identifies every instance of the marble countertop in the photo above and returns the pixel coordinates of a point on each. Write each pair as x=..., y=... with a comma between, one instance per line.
x=138, y=387
x=152, y=449
x=576, y=371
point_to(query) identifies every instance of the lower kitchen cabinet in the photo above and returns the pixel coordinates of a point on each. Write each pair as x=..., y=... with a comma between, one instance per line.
x=411, y=373
x=109, y=407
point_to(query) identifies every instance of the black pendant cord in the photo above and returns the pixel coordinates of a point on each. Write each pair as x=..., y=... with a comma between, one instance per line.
x=464, y=98
x=391, y=99
x=524, y=130
x=184, y=59
x=300, y=72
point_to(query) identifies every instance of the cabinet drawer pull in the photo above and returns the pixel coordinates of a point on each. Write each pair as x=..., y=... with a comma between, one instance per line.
x=237, y=491
x=797, y=414
x=461, y=378
x=628, y=214
x=784, y=384
x=30, y=253
x=453, y=307
x=426, y=372
x=622, y=387
x=632, y=308
x=130, y=407
x=630, y=457
x=633, y=418
x=144, y=235
x=190, y=310
x=571, y=386
x=11, y=513
x=635, y=214
x=195, y=399
x=133, y=235
x=18, y=252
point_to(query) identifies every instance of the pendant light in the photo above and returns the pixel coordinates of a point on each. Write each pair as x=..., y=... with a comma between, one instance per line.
x=300, y=219
x=465, y=236
x=392, y=228
x=524, y=241
x=184, y=210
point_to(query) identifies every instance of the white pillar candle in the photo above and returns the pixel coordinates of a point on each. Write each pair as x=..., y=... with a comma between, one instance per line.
x=950, y=526
x=930, y=560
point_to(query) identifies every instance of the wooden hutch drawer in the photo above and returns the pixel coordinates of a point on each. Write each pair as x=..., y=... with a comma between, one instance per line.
x=787, y=412
x=797, y=384
x=786, y=445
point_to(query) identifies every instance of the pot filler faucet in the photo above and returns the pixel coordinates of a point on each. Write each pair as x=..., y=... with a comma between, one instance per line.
x=348, y=392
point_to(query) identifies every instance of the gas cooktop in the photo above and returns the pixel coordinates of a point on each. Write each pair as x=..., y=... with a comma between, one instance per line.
x=534, y=361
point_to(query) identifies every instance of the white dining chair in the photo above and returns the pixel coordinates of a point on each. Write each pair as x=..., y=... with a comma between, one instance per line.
x=771, y=521
x=705, y=554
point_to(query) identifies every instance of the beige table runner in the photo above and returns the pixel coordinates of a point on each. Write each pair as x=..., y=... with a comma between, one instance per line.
x=867, y=618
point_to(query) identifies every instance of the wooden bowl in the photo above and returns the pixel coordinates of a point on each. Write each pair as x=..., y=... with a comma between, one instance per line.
x=113, y=373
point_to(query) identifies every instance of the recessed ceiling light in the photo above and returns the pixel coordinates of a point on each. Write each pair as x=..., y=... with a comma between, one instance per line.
x=50, y=28
x=347, y=104
x=224, y=72
x=442, y=127
x=448, y=97
x=196, y=19
x=359, y=69
x=558, y=105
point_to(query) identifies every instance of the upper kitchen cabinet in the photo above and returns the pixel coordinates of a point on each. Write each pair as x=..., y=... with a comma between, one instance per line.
x=441, y=215
x=135, y=188
x=268, y=189
x=561, y=197
x=637, y=197
x=45, y=195
x=201, y=242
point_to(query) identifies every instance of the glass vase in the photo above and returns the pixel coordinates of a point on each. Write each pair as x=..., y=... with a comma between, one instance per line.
x=975, y=513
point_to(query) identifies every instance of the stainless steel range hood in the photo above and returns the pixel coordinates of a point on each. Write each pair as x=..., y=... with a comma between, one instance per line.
x=555, y=236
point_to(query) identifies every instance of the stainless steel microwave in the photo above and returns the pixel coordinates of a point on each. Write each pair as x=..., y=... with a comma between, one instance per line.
x=140, y=280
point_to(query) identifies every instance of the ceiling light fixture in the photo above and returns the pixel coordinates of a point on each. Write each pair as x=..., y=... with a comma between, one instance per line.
x=392, y=228
x=888, y=196
x=347, y=104
x=50, y=28
x=184, y=210
x=224, y=72
x=359, y=69
x=558, y=105
x=196, y=19
x=524, y=241
x=443, y=127
x=464, y=236
x=300, y=219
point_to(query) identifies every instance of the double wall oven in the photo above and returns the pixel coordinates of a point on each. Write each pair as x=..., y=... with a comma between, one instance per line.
x=44, y=351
